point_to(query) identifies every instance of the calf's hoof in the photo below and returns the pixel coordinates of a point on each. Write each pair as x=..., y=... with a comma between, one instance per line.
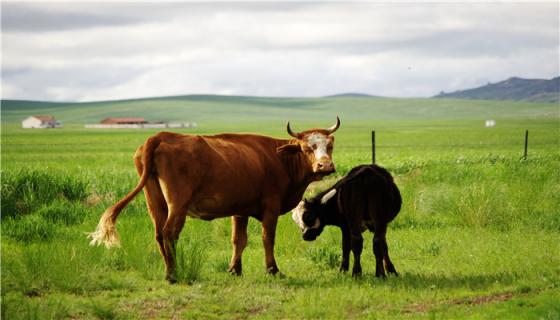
x=356, y=273
x=391, y=269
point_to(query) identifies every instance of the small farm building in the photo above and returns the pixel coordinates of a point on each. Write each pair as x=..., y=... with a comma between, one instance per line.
x=136, y=123
x=124, y=121
x=44, y=121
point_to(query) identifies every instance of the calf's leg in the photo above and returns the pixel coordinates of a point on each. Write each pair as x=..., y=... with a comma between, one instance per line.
x=239, y=242
x=381, y=252
x=388, y=263
x=344, y=264
x=357, y=244
x=378, y=252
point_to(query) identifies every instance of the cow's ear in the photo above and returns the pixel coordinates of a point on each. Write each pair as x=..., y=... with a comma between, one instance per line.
x=288, y=149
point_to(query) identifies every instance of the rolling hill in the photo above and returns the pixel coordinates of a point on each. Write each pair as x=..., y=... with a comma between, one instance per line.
x=210, y=110
x=519, y=89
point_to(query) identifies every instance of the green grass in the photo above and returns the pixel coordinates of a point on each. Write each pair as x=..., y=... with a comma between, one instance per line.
x=477, y=236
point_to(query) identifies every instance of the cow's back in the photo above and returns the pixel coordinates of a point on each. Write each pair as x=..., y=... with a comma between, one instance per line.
x=222, y=175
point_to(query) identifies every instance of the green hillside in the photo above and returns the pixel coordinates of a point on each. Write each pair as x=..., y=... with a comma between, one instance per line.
x=207, y=110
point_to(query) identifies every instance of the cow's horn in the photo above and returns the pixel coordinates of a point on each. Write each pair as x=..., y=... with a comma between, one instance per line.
x=335, y=126
x=328, y=196
x=293, y=134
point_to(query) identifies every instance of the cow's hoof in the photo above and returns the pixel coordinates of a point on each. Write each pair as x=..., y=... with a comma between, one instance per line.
x=235, y=271
x=171, y=279
x=356, y=274
x=273, y=270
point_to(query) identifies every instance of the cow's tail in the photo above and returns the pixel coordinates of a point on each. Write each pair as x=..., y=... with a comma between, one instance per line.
x=106, y=233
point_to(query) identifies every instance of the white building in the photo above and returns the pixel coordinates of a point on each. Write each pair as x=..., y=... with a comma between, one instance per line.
x=490, y=123
x=44, y=121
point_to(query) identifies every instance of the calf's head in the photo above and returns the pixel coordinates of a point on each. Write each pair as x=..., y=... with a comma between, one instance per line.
x=308, y=215
x=316, y=145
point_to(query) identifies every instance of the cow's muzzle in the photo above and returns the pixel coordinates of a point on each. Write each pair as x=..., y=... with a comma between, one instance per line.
x=323, y=166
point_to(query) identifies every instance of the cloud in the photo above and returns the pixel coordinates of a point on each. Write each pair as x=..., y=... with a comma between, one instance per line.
x=99, y=51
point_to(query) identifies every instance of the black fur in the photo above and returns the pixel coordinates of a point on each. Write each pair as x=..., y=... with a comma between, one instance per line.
x=366, y=198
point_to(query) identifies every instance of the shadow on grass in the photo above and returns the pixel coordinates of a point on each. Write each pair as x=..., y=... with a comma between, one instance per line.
x=407, y=281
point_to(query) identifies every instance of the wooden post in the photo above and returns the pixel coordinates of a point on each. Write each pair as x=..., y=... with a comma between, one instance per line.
x=373, y=146
x=526, y=143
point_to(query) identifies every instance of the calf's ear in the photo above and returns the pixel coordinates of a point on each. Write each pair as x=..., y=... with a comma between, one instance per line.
x=288, y=149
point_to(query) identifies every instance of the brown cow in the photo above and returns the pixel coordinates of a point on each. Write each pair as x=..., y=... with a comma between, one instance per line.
x=208, y=177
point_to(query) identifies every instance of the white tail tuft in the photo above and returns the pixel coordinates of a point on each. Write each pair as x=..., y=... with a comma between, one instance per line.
x=105, y=233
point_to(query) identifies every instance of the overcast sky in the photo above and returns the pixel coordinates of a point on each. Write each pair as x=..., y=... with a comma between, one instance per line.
x=101, y=51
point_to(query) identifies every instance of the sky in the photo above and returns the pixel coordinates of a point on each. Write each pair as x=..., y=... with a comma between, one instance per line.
x=64, y=51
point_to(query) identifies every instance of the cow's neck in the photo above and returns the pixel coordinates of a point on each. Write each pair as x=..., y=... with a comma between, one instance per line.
x=301, y=175
x=299, y=170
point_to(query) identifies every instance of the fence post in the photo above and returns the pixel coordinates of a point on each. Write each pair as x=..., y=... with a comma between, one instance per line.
x=526, y=143
x=373, y=146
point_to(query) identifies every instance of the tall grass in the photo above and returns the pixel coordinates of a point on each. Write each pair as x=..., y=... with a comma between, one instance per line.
x=25, y=191
x=191, y=258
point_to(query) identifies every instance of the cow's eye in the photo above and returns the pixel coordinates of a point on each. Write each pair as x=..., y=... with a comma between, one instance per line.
x=314, y=147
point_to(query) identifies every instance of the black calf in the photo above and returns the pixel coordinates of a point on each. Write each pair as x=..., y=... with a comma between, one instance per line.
x=366, y=198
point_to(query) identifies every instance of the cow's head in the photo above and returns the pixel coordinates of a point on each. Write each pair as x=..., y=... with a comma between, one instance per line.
x=316, y=145
x=308, y=215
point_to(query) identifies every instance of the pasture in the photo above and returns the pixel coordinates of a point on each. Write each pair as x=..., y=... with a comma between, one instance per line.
x=478, y=235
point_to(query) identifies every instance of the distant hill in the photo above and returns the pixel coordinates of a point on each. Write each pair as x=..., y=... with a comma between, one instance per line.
x=227, y=112
x=352, y=95
x=519, y=89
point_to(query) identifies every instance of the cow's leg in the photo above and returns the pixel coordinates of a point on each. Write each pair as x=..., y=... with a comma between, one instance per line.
x=344, y=264
x=171, y=231
x=239, y=242
x=357, y=244
x=158, y=210
x=269, y=222
x=379, y=249
x=154, y=201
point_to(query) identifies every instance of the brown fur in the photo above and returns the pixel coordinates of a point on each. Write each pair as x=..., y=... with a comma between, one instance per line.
x=208, y=177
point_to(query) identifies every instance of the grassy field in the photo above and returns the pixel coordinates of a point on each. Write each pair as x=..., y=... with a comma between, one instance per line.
x=477, y=236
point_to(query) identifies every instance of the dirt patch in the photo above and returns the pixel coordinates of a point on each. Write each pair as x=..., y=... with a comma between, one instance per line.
x=485, y=299
x=473, y=301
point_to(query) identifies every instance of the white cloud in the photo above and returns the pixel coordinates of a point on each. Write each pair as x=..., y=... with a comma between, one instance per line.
x=98, y=51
